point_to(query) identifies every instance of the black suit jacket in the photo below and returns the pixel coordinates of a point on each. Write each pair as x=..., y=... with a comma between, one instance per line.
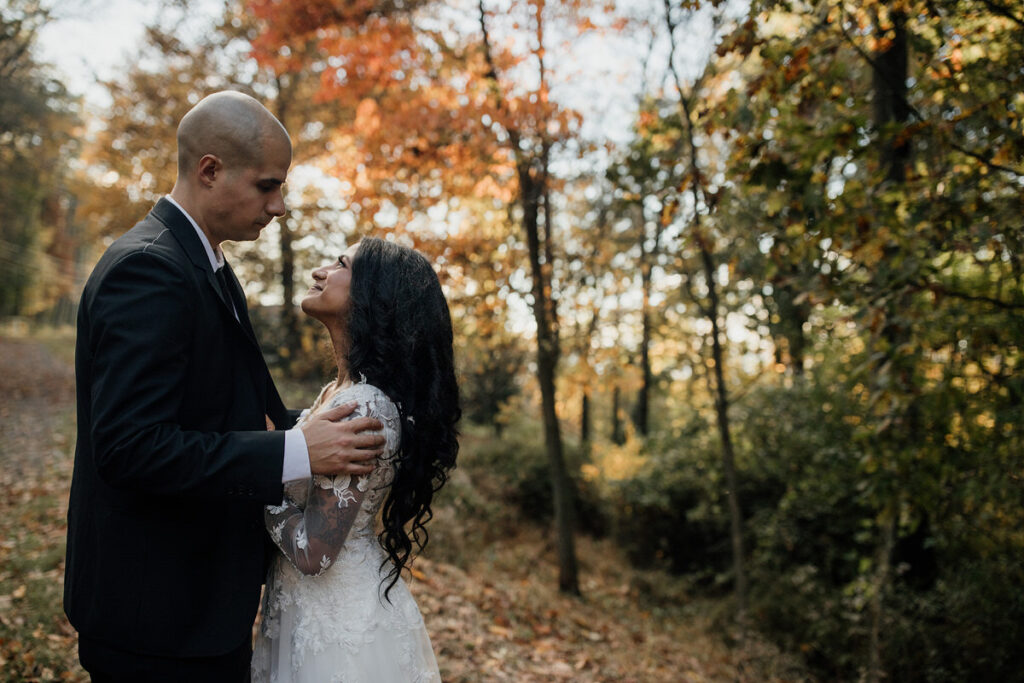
x=166, y=545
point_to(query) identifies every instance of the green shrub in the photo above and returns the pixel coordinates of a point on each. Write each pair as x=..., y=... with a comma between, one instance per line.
x=515, y=469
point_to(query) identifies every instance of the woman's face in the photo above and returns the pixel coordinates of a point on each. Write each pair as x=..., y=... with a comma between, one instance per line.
x=328, y=298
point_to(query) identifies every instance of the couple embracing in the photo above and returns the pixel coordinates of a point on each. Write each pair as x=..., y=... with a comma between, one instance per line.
x=193, y=485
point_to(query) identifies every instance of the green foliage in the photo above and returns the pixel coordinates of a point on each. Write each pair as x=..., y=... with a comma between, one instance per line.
x=810, y=543
x=671, y=513
x=881, y=227
x=518, y=471
x=967, y=628
x=489, y=372
x=954, y=611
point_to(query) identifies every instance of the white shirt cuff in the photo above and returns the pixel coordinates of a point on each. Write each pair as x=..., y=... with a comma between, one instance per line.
x=296, y=457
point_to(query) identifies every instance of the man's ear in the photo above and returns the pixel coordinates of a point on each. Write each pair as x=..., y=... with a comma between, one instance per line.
x=209, y=169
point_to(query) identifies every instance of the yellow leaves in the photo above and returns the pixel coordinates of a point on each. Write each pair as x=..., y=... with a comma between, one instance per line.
x=776, y=201
x=1004, y=156
x=616, y=463
x=985, y=420
x=367, y=117
x=872, y=253
x=487, y=187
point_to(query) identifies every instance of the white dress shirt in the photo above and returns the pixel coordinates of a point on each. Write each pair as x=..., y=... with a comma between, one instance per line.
x=296, y=454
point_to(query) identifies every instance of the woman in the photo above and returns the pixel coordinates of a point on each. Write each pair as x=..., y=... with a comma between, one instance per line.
x=335, y=606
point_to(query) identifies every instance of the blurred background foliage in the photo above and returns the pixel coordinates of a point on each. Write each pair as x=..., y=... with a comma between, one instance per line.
x=780, y=324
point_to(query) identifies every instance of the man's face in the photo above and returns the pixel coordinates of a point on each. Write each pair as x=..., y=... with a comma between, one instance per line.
x=246, y=198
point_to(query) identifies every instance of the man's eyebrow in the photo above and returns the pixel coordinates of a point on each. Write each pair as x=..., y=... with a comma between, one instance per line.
x=276, y=181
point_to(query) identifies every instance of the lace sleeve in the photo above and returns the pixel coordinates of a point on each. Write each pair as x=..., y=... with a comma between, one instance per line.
x=314, y=519
x=311, y=536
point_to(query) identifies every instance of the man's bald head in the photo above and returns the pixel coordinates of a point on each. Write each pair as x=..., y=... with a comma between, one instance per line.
x=233, y=160
x=229, y=125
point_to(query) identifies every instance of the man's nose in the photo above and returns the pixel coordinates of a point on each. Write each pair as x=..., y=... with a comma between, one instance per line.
x=276, y=206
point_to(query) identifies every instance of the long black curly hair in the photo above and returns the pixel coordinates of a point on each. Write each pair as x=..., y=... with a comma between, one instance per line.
x=400, y=340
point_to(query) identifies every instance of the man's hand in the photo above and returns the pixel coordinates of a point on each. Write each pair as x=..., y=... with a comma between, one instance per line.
x=347, y=447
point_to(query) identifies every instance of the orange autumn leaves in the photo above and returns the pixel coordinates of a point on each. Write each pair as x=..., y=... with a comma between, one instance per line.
x=427, y=124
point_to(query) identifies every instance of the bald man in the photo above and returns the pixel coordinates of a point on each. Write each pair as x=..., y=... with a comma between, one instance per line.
x=174, y=461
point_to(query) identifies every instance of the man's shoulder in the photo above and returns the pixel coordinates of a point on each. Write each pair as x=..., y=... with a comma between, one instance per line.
x=151, y=236
x=149, y=245
x=148, y=235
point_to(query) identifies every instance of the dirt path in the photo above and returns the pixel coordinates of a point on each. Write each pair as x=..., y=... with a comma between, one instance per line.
x=37, y=431
x=37, y=400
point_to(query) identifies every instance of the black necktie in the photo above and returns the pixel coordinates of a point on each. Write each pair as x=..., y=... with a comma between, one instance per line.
x=227, y=290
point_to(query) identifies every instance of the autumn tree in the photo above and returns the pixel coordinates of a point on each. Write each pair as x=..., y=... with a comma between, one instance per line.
x=38, y=120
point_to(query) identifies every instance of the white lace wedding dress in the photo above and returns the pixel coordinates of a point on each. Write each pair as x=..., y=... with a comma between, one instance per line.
x=325, y=617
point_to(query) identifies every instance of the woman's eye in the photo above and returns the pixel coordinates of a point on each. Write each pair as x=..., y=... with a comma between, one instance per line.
x=341, y=261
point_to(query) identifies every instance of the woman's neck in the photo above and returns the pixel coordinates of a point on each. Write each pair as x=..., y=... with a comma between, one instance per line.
x=339, y=341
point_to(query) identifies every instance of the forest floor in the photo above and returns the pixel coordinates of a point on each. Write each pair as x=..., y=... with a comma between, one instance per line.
x=492, y=606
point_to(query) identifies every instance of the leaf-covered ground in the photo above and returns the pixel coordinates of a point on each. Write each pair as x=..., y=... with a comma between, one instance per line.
x=494, y=615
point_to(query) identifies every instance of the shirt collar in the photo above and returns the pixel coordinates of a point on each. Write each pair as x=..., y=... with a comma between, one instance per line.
x=216, y=256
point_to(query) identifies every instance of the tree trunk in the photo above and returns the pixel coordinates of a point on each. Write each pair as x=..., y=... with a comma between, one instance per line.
x=289, y=315
x=618, y=436
x=641, y=417
x=711, y=310
x=890, y=109
x=642, y=413
x=880, y=586
x=531, y=189
x=721, y=395
x=585, y=420
x=890, y=97
x=532, y=172
x=789, y=331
